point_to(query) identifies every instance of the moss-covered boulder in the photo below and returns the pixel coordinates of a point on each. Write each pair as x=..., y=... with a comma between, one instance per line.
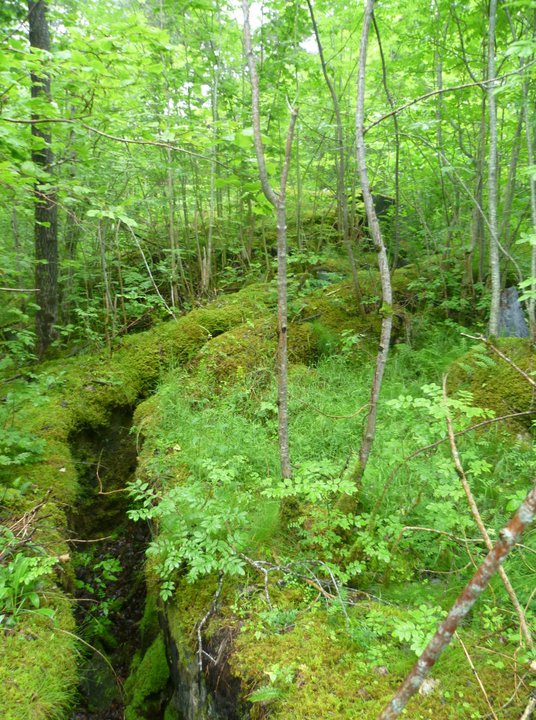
x=495, y=383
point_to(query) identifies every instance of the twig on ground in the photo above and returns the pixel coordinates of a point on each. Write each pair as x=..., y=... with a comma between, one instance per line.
x=477, y=676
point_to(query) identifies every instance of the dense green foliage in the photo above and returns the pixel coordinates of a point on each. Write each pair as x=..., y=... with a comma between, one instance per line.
x=166, y=307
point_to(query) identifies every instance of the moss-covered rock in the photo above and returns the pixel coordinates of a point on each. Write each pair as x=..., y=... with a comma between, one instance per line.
x=495, y=384
x=146, y=682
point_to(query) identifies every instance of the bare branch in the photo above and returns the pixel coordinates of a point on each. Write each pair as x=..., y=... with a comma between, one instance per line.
x=441, y=91
x=435, y=444
x=478, y=519
x=116, y=138
x=504, y=357
x=508, y=537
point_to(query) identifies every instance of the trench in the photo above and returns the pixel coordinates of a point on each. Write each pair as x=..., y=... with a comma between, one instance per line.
x=112, y=607
x=108, y=553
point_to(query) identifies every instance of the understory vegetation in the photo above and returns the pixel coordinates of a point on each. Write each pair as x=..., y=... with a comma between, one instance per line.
x=267, y=369
x=328, y=610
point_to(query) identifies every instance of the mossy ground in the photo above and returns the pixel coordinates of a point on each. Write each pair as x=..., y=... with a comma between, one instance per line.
x=229, y=347
x=310, y=660
x=40, y=655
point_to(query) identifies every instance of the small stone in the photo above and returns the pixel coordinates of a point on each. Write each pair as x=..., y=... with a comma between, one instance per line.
x=381, y=670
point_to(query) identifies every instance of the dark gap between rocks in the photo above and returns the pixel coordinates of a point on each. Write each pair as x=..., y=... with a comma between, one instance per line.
x=109, y=583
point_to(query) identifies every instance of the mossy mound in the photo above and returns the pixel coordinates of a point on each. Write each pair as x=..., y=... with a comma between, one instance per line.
x=302, y=659
x=73, y=394
x=149, y=676
x=495, y=384
x=252, y=347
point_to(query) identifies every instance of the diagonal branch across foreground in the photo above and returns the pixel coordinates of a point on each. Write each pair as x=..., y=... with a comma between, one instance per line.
x=508, y=537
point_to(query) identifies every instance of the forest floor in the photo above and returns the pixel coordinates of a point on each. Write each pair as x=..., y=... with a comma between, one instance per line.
x=307, y=612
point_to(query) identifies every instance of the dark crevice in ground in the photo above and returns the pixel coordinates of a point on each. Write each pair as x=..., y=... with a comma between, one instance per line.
x=109, y=581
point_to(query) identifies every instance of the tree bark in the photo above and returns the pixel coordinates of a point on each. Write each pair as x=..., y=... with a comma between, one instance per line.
x=46, y=214
x=375, y=231
x=494, y=315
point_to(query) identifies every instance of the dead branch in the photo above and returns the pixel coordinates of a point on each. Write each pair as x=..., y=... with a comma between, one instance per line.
x=210, y=612
x=504, y=357
x=478, y=519
x=508, y=537
x=435, y=444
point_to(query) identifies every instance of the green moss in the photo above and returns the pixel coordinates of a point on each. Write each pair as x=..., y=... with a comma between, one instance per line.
x=38, y=668
x=147, y=681
x=82, y=392
x=495, y=384
x=336, y=679
x=149, y=625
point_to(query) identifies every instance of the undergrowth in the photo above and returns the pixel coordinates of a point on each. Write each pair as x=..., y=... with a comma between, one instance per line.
x=209, y=482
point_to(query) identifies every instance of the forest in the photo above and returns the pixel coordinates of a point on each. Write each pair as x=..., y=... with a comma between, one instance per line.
x=267, y=369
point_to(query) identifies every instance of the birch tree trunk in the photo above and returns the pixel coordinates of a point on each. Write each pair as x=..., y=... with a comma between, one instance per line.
x=383, y=263
x=278, y=200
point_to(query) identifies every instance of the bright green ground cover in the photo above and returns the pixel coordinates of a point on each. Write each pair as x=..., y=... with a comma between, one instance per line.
x=317, y=652
x=214, y=426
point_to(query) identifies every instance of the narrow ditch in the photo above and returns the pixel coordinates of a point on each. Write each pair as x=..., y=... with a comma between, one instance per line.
x=108, y=582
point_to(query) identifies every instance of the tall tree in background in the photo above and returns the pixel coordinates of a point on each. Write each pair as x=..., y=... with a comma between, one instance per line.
x=340, y=160
x=492, y=179
x=278, y=200
x=46, y=216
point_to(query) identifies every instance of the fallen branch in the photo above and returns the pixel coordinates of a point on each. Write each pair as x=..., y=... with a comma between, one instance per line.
x=508, y=537
x=478, y=519
x=210, y=612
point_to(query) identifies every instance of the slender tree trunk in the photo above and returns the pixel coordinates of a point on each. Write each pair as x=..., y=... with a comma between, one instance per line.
x=340, y=162
x=527, y=117
x=438, y=62
x=375, y=231
x=509, y=189
x=46, y=214
x=396, y=241
x=278, y=200
x=494, y=317
x=532, y=180
x=477, y=224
